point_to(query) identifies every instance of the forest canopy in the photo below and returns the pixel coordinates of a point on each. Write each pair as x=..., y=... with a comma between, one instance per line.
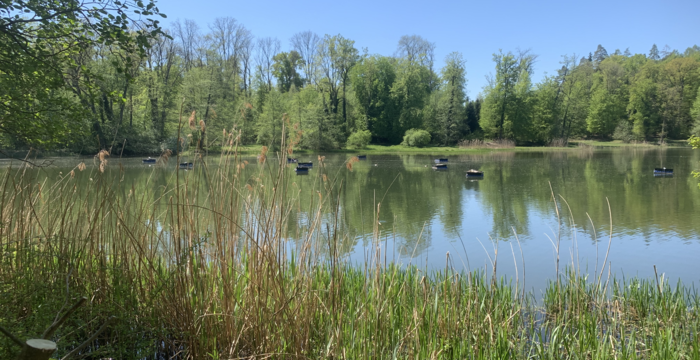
x=104, y=74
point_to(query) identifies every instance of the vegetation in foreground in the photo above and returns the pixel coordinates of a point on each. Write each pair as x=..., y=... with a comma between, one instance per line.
x=190, y=275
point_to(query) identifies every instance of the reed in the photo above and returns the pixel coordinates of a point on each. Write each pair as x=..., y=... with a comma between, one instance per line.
x=486, y=144
x=204, y=268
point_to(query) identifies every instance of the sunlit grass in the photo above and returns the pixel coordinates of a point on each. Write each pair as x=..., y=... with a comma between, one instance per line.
x=195, y=274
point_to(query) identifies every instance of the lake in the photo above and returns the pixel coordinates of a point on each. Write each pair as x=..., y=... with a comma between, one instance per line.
x=424, y=214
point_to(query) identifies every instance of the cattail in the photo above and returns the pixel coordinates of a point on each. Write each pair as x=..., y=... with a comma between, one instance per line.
x=213, y=113
x=263, y=151
x=248, y=106
x=325, y=178
x=201, y=125
x=354, y=159
x=102, y=166
x=102, y=154
x=250, y=188
x=245, y=162
x=348, y=165
x=191, y=120
x=224, y=132
x=72, y=174
x=81, y=166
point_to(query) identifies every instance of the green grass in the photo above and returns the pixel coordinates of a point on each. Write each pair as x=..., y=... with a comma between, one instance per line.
x=202, y=268
x=619, y=143
x=439, y=150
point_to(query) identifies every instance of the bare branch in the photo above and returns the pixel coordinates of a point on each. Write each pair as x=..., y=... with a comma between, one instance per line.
x=14, y=339
x=91, y=339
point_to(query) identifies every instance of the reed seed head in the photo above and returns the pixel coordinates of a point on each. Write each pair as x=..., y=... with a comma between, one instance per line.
x=191, y=120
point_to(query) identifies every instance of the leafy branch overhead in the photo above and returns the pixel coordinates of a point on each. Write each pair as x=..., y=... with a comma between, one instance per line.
x=44, y=85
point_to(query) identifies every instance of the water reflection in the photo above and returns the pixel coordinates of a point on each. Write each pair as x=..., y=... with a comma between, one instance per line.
x=422, y=214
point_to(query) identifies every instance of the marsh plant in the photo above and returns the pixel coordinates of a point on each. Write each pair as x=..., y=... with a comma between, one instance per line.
x=204, y=267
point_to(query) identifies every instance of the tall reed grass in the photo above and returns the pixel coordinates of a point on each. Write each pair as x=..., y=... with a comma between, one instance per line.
x=486, y=144
x=203, y=268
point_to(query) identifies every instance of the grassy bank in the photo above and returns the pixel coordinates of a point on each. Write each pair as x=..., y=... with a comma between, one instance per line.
x=204, y=268
x=439, y=150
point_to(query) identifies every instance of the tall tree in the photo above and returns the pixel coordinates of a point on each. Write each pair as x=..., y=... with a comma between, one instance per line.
x=336, y=56
x=189, y=38
x=654, y=53
x=599, y=55
x=415, y=48
x=285, y=70
x=306, y=44
x=500, y=96
x=609, y=99
x=266, y=48
x=454, y=84
x=678, y=83
x=372, y=80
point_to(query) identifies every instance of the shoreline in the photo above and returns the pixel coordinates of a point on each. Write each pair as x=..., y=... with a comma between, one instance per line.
x=371, y=149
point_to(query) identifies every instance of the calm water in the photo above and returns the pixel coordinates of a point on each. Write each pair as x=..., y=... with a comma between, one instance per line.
x=424, y=213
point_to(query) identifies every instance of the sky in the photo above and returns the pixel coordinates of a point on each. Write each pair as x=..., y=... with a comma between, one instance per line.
x=477, y=29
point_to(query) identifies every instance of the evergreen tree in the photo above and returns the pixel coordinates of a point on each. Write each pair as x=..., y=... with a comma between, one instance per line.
x=627, y=53
x=472, y=115
x=599, y=55
x=454, y=83
x=654, y=53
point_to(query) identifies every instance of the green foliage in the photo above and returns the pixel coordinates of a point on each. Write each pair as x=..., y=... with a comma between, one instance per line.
x=94, y=84
x=623, y=132
x=270, y=120
x=359, y=139
x=695, y=114
x=416, y=138
x=694, y=141
x=609, y=99
x=505, y=112
x=285, y=70
x=38, y=106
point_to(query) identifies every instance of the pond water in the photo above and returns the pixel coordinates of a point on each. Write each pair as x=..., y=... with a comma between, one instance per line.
x=425, y=213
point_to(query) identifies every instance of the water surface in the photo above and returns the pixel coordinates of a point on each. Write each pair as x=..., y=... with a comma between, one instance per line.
x=424, y=214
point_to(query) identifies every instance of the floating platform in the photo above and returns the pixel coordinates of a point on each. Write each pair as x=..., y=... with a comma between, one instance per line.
x=292, y=161
x=440, y=167
x=186, y=165
x=305, y=164
x=663, y=171
x=437, y=161
x=471, y=173
x=301, y=169
x=362, y=157
x=149, y=161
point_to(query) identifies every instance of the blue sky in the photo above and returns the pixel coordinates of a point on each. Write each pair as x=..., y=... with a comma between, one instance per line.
x=477, y=29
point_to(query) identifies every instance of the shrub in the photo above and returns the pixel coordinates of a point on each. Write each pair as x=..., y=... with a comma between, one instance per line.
x=359, y=139
x=416, y=137
x=623, y=132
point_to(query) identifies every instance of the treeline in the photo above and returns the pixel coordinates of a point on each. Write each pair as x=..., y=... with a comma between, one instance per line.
x=330, y=95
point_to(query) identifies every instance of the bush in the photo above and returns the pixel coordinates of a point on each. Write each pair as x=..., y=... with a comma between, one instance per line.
x=623, y=132
x=416, y=137
x=359, y=139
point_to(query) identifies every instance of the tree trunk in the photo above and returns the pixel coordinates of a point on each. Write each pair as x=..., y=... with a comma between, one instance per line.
x=345, y=115
x=37, y=349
